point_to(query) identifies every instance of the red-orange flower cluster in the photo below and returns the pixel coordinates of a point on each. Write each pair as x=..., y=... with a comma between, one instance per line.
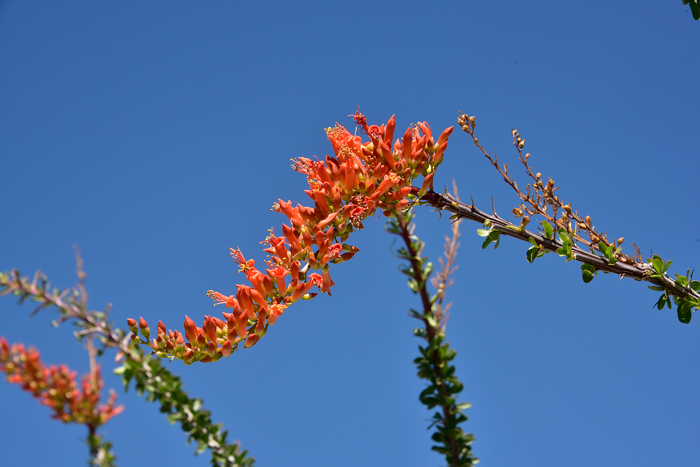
x=55, y=386
x=362, y=177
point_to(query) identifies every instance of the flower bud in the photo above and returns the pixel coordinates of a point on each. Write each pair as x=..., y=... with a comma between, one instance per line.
x=133, y=325
x=226, y=348
x=241, y=325
x=210, y=328
x=179, y=340
x=145, y=330
x=190, y=330
x=201, y=340
x=211, y=348
x=189, y=356
x=251, y=340
x=219, y=324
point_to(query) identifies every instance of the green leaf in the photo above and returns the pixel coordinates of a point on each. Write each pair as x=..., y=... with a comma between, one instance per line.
x=694, y=8
x=463, y=406
x=493, y=236
x=548, y=231
x=656, y=288
x=662, y=301
x=482, y=232
x=695, y=285
x=201, y=447
x=532, y=254
x=588, y=271
x=684, y=317
x=684, y=307
x=667, y=265
x=427, y=270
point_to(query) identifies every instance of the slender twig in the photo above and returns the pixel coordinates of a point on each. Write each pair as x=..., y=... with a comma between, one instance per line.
x=435, y=357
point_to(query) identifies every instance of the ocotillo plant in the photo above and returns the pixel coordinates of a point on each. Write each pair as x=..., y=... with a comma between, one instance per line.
x=377, y=174
x=367, y=174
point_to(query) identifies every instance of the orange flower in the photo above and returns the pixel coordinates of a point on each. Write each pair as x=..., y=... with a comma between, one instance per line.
x=56, y=388
x=345, y=189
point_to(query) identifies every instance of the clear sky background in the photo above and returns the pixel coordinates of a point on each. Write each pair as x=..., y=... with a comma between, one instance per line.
x=157, y=135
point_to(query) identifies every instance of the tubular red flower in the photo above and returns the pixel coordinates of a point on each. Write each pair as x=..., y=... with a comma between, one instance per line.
x=190, y=330
x=209, y=328
x=243, y=297
x=345, y=188
x=445, y=135
x=291, y=238
x=55, y=387
x=251, y=340
x=292, y=213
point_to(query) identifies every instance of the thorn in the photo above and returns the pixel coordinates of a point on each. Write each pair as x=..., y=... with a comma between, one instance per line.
x=494, y=207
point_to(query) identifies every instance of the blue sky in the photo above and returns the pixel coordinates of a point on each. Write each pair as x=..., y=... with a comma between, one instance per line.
x=157, y=135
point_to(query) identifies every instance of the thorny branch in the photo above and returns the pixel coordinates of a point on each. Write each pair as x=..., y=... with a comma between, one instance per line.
x=539, y=199
x=71, y=303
